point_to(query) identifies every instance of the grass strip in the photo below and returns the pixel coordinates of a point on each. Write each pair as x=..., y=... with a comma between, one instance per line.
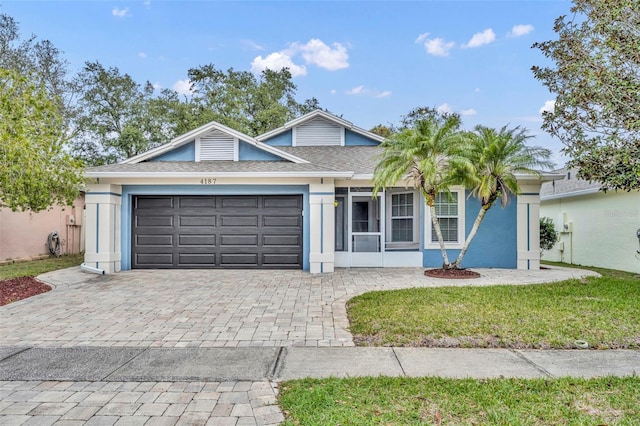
x=33, y=268
x=435, y=401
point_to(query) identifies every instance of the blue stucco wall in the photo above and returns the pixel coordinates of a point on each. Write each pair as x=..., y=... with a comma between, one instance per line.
x=186, y=152
x=283, y=139
x=494, y=246
x=354, y=139
x=128, y=191
x=247, y=152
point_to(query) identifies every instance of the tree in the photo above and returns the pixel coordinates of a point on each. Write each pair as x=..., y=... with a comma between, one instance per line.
x=495, y=158
x=120, y=118
x=244, y=102
x=596, y=79
x=548, y=234
x=382, y=130
x=35, y=170
x=427, y=155
x=42, y=61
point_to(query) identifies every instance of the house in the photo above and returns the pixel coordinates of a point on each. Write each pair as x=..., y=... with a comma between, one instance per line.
x=596, y=228
x=23, y=235
x=297, y=197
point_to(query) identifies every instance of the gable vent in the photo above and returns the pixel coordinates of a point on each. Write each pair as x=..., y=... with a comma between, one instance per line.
x=217, y=146
x=318, y=132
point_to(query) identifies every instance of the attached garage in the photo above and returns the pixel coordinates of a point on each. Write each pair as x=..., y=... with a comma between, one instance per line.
x=221, y=231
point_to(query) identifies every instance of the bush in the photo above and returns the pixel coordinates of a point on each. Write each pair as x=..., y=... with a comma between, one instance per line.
x=548, y=234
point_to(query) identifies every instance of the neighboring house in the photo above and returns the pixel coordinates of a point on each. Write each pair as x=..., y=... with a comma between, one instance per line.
x=23, y=235
x=596, y=228
x=297, y=197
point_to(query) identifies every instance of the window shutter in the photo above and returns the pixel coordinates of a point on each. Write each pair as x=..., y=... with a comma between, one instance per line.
x=318, y=132
x=217, y=146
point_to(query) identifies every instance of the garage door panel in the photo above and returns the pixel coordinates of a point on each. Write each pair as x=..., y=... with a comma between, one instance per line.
x=280, y=259
x=154, y=259
x=243, y=259
x=281, y=240
x=155, y=221
x=154, y=240
x=227, y=221
x=196, y=240
x=154, y=203
x=195, y=259
x=217, y=232
x=202, y=202
x=281, y=221
x=239, y=240
x=201, y=221
x=249, y=202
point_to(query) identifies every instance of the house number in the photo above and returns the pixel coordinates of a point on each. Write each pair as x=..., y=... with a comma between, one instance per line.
x=207, y=181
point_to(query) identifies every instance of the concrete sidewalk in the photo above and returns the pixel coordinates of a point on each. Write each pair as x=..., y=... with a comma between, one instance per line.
x=129, y=364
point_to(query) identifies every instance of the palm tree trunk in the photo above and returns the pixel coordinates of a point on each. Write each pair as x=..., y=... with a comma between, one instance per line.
x=472, y=234
x=436, y=226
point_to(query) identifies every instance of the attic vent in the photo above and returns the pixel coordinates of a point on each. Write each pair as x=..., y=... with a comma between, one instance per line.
x=216, y=146
x=318, y=132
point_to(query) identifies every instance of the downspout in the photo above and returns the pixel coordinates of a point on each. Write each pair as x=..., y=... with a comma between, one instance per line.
x=86, y=268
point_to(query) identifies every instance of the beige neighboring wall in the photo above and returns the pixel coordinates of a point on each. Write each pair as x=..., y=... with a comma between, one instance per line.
x=23, y=235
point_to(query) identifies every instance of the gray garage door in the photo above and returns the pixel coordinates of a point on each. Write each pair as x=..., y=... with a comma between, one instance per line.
x=261, y=231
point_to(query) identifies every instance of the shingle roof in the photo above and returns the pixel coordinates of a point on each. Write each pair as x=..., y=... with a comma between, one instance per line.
x=570, y=184
x=326, y=159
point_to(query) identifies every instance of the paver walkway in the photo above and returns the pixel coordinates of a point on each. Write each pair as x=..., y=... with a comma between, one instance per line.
x=222, y=308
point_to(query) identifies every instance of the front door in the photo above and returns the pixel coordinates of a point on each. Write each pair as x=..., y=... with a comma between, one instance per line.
x=365, y=234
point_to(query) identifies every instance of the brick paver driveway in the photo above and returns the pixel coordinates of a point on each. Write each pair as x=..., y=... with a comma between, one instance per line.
x=204, y=308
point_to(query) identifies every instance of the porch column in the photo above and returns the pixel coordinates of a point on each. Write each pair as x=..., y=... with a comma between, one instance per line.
x=102, y=227
x=322, y=224
x=528, y=227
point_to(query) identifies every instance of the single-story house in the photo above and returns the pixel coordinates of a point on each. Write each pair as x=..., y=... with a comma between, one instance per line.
x=297, y=197
x=596, y=228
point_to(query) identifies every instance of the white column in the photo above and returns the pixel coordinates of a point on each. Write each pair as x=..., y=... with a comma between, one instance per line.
x=322, y=223
x=102, y=227
x=528, y=227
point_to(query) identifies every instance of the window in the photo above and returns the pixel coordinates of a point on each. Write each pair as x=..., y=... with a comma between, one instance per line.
x=402, y=217
x=450, y=209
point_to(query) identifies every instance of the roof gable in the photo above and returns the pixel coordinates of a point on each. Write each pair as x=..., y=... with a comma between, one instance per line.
x=323, y=121
x=215, y=133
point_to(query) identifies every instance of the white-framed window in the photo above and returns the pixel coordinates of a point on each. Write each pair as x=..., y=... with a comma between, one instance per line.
x=403, y=210
x=450, y=208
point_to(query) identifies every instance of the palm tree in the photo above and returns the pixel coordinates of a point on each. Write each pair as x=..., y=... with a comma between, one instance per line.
x=496, y=157
x=424, y=155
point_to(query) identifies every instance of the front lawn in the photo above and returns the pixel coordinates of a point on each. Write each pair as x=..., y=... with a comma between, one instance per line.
x=602, y=311
x=435, y=401
x=37, y=267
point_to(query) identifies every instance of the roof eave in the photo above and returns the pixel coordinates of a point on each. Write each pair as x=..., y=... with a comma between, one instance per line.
x=248, y=175
x=586, y=191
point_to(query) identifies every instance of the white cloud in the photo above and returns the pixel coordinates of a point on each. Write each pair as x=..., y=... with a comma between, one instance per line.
x=444, y=109
x=120, y=13
x=147, y=3
x=520, y=30
x=548, y=106
x=157, y=86
x=373, y=93
x=333, y=91
x=142, y=55
x=477, y=90
x=480, y=39
x=183, y=87
x=276, y=61
x=435, y=46
x=316, y=52
x=469, y=111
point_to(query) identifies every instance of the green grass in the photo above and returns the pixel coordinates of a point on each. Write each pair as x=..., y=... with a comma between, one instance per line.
x=603, y=311
x=602, y=271
x=420, y=401
x=37, y=267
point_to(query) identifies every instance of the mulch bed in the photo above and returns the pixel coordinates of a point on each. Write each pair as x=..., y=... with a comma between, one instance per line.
x=20, y=288
x=451, y=274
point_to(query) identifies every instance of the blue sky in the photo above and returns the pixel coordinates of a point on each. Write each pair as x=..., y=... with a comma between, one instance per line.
x=370, y=62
